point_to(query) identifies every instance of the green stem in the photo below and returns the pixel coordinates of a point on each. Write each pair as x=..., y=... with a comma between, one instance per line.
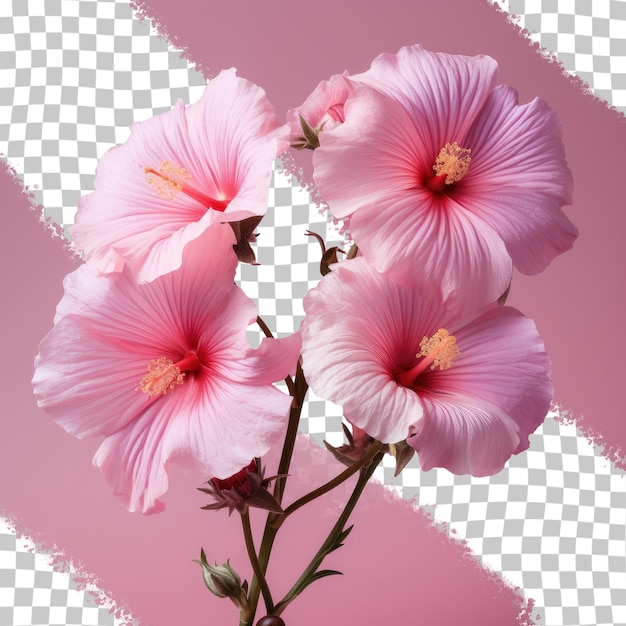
x=331, y=484
x=364, y=476
x=258, y=572
x=298, y=391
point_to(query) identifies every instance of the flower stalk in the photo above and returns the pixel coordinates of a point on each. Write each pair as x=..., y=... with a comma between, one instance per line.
x=334, y=539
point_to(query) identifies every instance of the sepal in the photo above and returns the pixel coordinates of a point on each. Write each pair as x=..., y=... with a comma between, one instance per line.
x=247, y=488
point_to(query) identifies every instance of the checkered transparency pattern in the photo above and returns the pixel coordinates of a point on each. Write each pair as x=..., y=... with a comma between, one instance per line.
x=587, y=36
x=74, y=74
x=553, y=522
x=31, y=592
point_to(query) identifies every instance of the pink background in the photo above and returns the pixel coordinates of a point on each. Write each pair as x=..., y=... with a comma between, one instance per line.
x=397, y=567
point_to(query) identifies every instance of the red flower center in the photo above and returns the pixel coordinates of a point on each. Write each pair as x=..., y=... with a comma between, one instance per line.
x=437, y=351
x=239, y=481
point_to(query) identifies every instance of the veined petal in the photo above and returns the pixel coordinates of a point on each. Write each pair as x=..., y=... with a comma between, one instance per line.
x=352, y=359
x=519, y=178
x=431, y=242
x=199, y=427
x=79, y=378
x=442, y=93
x=139, y=315
x=463, y=435
x=240, y=138
x=177, y=175
x=503, y=361
x=233, y=422
x=376, y=151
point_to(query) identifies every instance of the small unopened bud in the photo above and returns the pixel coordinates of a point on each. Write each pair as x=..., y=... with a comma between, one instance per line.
x=247, y=488
x=223, y=581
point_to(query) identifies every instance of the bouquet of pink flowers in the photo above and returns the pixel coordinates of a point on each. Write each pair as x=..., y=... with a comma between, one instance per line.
x=444, y=183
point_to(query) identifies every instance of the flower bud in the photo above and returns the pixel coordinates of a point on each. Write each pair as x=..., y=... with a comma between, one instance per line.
x=247, y=488
x=221, y=580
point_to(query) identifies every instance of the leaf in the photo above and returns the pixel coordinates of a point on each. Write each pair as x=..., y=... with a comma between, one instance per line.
x=310, y=134
x=312, y=578
x=340, y=539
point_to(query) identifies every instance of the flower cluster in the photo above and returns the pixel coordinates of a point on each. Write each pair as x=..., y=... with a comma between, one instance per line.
x=446, y=182
x=149, y=346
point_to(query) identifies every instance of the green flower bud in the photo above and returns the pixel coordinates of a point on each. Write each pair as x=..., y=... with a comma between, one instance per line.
x=221, y=580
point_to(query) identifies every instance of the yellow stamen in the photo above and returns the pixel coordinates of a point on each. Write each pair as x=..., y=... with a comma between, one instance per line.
x=453, y=161
x=170, y=179
x=162, y=377
x=437, y=351
x=167, y=179
x=440, y=349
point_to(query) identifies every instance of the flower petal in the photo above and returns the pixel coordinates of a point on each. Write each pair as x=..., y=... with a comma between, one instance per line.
x=518, y=178
x=463, y=435
x=273, y=360
x=77, y=379
x=442, y=93
x=433, y=243
x=376, y=151
x=503, y=362
x=323, y=109
x=352, y=359
x=198, y=426
x=239, y=138
x=162, y=188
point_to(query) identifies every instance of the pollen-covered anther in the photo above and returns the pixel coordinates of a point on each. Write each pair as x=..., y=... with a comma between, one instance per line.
x=162, y=377
x=453, y=161
x=440, y=349
x=170, y=179
x=167, y=179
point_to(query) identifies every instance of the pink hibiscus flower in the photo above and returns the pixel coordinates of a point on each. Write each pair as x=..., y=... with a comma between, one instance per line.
x=179, y=173
x=465, y=392
x=164, y=372
x=449, y=182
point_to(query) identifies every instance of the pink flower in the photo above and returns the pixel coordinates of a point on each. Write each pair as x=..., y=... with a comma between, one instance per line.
x=179, y=173
x=465, y=392
x=447, y=179
x=164, y=372
x=322, y=110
